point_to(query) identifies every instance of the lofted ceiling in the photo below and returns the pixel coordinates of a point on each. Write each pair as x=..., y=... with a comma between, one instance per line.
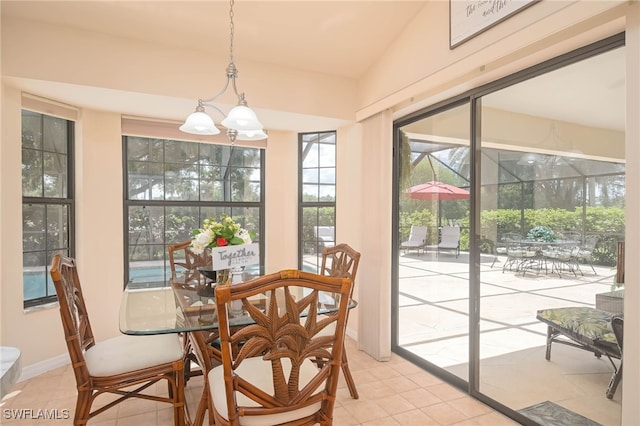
x=343, y=38
x=335, y=37
x=340, y=38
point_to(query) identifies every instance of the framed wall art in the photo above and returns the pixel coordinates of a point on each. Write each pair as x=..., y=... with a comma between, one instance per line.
x=468, y=18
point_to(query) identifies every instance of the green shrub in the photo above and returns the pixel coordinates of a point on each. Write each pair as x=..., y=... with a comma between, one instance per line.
x=607, y=222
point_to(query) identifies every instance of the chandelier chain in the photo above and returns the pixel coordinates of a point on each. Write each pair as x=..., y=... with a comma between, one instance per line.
x=231, y=28
x=241, y=121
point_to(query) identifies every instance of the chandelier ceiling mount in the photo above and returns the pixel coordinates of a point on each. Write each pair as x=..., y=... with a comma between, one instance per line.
x=241, y=122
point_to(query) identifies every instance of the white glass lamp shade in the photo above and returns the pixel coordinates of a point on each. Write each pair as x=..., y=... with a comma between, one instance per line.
x=251, y=135
x=242, y=118
x=528, y=159
x=199, y=123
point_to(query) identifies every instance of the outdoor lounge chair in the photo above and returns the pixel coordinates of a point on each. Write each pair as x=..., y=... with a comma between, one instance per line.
x=417, y=239
x=450, y=239
x=589, y=329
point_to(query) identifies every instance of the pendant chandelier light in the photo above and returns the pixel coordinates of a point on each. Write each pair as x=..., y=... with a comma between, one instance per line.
x=241, y=122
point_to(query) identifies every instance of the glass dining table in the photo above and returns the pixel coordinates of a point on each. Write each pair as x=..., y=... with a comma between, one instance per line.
x=176, y=308
x=190, y=308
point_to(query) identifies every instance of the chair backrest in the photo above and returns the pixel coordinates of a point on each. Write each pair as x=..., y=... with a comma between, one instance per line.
x=301, y=363
x=590, y=242
x=184, y=263
x=74, y=315
x=340, y=261
x=617, y=324
x=571, y=235
x=450, y=234
x=418, y=234
x=511, y=236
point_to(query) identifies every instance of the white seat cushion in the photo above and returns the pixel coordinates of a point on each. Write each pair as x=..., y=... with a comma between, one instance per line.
x=127, y=353
x=258, y=372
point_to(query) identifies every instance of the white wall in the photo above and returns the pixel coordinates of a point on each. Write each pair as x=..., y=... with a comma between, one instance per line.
x=631, y=372
x=418, y=70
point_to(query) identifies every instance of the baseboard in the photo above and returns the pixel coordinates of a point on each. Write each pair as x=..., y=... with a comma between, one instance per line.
x=352, y=333
x=33, y=370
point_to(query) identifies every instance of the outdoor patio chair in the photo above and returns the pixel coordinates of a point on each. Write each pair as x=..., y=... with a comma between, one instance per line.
x=583, y=254
x=571, y=235
x=417, y=239
x=501, y=245
x=449, y=239
x=588, y=329
x=522, y=257
x=561, y=258
x=325, y=235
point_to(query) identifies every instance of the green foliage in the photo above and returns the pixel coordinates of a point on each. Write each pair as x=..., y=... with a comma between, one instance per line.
x=607, y=222
x=541, y=233
x=418, y=218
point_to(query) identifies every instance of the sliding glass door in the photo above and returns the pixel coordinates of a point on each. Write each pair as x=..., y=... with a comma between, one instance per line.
x=433, y=258
x=552, y=187
x=528, y=175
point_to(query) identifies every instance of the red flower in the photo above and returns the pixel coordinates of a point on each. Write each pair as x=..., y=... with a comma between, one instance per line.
x=221, y=241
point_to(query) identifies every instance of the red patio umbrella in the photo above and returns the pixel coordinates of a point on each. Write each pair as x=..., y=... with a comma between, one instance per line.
x=437, y=191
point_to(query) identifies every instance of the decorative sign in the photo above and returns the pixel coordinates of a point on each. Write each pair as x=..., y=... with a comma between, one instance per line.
x=235, y=256
x=468, y=18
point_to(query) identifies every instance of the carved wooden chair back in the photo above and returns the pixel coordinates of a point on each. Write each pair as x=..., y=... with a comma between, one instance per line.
x=285, y=371
x=342, y=261
x=118, y=365
x=184, y=263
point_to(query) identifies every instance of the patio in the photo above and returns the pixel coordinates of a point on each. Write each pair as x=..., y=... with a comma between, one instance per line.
x=434, y=324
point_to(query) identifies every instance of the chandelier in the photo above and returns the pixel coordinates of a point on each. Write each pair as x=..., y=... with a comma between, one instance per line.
x=241, y=122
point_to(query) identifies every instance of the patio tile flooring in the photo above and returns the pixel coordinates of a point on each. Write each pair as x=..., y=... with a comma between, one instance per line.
x=434, y=324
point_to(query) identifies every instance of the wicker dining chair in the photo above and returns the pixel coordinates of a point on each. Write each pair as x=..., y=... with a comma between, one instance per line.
x=342, y=261
x=184, y=263
x=205, y=345
x=274, y=377
x=124, y=365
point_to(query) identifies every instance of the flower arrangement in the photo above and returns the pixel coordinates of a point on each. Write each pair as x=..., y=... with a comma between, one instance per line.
x=541, y=233
x=225, y=232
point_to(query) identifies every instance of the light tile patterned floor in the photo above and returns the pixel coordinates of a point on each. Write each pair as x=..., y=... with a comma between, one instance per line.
x=391, y=393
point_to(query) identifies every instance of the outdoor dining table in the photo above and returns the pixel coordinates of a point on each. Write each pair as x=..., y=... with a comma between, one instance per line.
x=535, y=254
x=185, y=308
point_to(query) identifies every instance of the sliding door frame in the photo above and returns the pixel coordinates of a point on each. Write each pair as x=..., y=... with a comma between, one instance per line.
x=473, y=97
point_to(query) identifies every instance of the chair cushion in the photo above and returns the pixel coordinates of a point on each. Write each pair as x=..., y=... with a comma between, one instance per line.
x=581, y=323
x=127, y=353
x=258, y=372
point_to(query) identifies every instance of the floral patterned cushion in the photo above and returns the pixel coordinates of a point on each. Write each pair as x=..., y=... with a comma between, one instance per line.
x=581, y=323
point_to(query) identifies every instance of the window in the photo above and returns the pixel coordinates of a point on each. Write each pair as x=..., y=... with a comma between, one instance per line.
x=317, y=183
x=172, y=186
x=47, y=201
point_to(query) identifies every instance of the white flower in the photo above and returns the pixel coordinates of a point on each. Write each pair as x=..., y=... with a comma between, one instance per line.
x=201, y=241
x=244, y=235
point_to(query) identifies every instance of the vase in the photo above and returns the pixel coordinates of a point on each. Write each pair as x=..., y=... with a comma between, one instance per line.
x=214, y=278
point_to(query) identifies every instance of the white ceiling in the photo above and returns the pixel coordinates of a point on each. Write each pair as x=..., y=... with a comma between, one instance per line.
x=590, y=92
x=335, y=37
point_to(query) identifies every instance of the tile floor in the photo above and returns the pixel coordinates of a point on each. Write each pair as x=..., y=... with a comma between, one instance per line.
x=434, y=325
x=391, y=393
